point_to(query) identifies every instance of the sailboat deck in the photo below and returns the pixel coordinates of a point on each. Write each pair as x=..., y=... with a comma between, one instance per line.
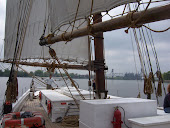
x=35, y=106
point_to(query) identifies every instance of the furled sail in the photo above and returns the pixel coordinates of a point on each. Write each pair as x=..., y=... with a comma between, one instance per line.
x=76, y=50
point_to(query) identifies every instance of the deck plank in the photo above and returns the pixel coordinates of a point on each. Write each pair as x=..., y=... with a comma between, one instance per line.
x=35, y=106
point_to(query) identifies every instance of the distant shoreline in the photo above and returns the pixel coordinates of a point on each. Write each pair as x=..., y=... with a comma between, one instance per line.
x=166, y=81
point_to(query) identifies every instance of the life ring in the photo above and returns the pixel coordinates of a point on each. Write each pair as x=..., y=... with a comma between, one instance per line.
x=49, y=107
x=40, y=95
x=15, y=119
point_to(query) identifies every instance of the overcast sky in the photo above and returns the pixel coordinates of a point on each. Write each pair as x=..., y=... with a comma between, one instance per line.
x=118, y=47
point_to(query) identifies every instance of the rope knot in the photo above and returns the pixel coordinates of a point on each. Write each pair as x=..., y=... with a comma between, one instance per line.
x=133, y=24
x=89, y=28
x=49, y=38
x=64, y=38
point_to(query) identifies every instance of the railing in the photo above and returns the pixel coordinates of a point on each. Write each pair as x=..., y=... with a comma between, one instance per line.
x=19, y=104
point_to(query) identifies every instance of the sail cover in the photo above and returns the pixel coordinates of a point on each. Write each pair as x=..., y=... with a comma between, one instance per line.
x=55, y=15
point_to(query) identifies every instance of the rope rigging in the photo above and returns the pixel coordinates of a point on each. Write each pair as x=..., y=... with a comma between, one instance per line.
x=54, y=56
x=151, y=70
x=12, y=84
x=158, y=73
x=145, y=52
x=138, y=96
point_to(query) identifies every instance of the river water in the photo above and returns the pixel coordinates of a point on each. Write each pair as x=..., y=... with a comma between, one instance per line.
x=121, y=88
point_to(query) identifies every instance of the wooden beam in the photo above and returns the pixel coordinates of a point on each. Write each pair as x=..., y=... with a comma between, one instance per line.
x=151, y=15
x=94, y=66
x=37, y=64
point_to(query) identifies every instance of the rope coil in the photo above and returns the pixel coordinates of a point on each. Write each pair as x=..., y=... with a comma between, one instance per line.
x=159, y=89
x=70, y=121
x=148, y=89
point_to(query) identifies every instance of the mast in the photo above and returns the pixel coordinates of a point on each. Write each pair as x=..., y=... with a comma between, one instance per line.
x=101, y=92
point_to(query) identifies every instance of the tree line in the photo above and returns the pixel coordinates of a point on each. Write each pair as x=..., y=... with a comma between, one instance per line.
x=40, y=73
x=166, y=75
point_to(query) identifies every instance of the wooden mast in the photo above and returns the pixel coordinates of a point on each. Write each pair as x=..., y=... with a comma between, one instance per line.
x=101, y=92
x=151, y=15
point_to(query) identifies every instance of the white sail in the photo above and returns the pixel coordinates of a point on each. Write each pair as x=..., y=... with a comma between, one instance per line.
x=75, y=50
x=11, y=27
x=64, y=11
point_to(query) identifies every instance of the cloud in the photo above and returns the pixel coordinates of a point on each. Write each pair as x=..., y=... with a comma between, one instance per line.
x=119, y=50
x=2, y=9
x=2, y=19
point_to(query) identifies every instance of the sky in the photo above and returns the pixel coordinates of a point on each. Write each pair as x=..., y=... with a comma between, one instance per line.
x=118, y=48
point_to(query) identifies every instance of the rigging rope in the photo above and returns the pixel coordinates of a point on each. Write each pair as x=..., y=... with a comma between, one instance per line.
x=74, y=21
x=138, y=96
x=147, y=81
x=156, y=30
x=89, y=48
x=158, y=73
x=53, y=55
x=150, y=65
x=157, y=62
x=130, y=18
x=33, y=76
x=68, y=88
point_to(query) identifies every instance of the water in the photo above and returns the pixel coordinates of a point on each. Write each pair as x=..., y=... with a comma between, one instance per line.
x=122, y=88
x=125, y=88
x=23, y=86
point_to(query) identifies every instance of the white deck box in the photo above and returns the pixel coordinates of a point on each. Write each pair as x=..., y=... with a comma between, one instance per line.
x=59, y=103
x=87, y=95
x=74, y=92
x=99, y=113
x=151, y=122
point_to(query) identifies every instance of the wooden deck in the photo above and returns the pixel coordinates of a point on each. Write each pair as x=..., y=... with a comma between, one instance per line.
x=35, y=106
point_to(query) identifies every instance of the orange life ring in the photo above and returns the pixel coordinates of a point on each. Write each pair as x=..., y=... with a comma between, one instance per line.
x=40, y=95
x=49, y=107
x=14, y=119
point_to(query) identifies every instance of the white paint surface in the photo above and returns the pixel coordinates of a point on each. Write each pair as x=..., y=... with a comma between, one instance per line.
x=99, y=113
x=58, y=109
x=151, y=122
